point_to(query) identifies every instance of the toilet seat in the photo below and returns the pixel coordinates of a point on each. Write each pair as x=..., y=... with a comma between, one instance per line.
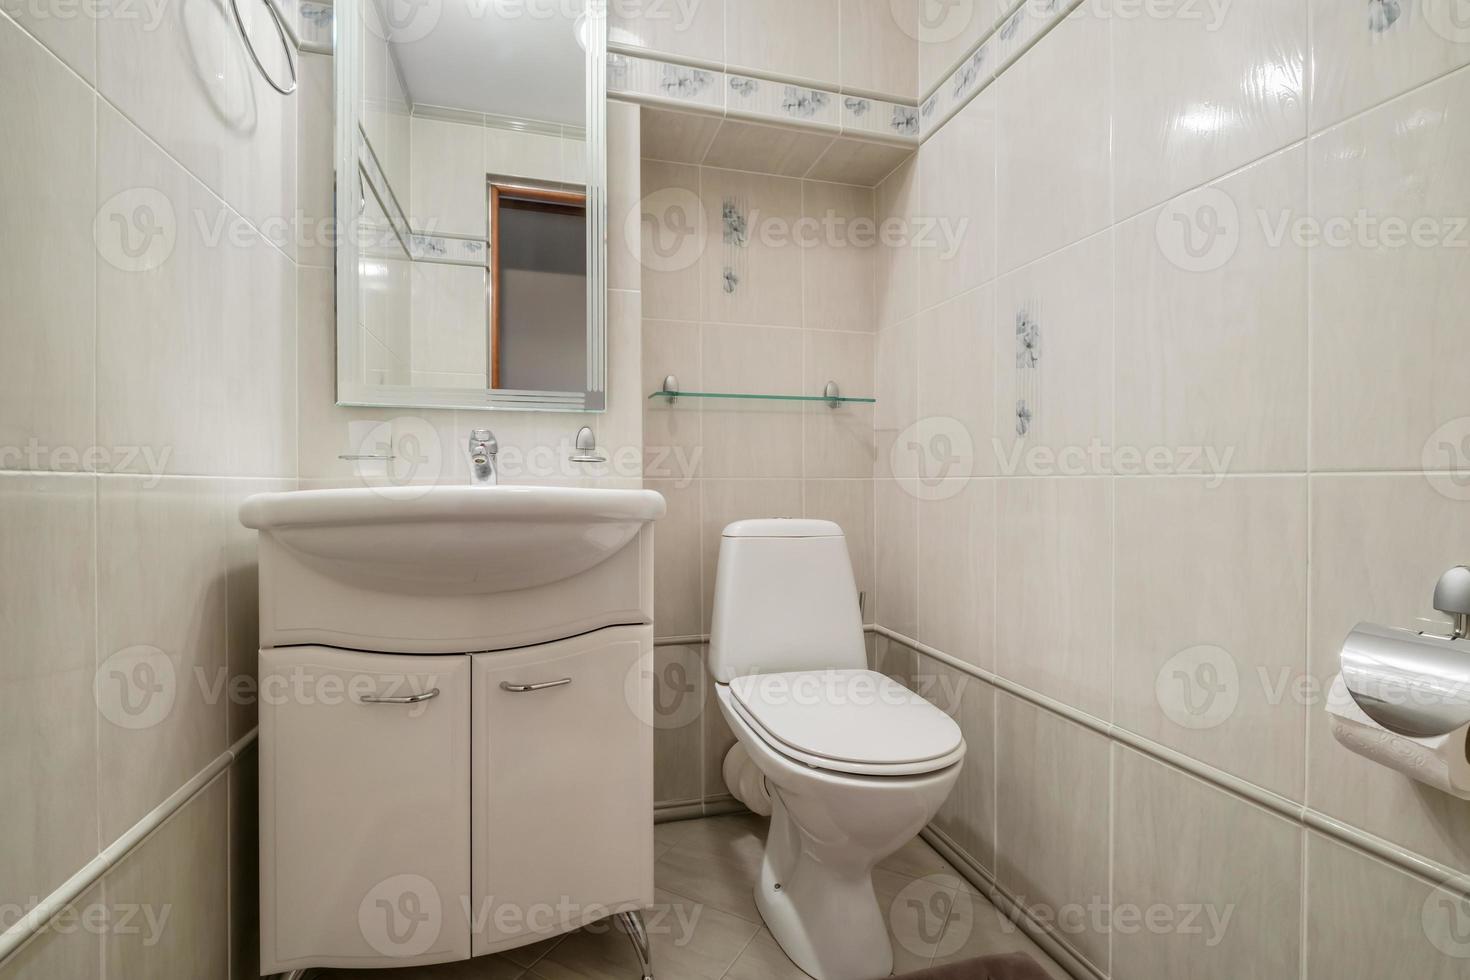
x=848, y=721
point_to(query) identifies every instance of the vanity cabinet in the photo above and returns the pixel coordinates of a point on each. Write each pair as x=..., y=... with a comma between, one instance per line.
x=364, y=807
x=456, y=720
x=563, y=753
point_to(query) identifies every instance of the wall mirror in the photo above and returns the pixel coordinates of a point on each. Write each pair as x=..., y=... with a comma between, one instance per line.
x=471, y=173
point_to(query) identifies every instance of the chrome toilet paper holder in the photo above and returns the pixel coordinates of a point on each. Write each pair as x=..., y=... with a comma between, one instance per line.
x=1414, y=683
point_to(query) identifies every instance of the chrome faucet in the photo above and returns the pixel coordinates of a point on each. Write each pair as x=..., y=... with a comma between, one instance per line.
x=483, y=450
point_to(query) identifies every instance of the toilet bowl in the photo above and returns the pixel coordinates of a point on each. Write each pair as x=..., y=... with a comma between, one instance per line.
x=856, y=763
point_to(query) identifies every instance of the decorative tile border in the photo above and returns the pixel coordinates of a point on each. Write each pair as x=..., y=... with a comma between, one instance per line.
x=760, y=99
x=448, y=250
x=315, y=20
x=791, y=104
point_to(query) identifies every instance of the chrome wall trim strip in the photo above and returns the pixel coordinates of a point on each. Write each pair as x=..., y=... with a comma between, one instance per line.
x=1433, y=872
x=35, y=920
x=1007, y=905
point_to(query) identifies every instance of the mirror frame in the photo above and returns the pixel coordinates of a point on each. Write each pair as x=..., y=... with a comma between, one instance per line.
x=355, y=162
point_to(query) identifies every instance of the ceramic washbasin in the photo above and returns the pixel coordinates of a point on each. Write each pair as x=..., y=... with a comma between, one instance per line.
x=458, y=540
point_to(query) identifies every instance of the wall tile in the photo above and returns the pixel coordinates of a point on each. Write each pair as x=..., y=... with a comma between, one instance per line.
x=1211, y=621
x=878, y=53
x=1053, y=361
x=47, y=208
x=1055, y=110
x=695, y=30
x=1230, y=868
x=1054, y=589
x=948, y=32
x=805, y=46
x=968, y=815
x=1213, y=355
x=898, y=560
x=514, y=153
x=956, y=400
x=1379, y=545
x=748, y=273
x=1386, y=321
x=784, y=152
x=624, y=196
x=75, y=954
x=63, y=28
x=676, y=137
x=956, y=568
x=1367, y=919
x=48, y=718
x=672, y=431
x=447, y=177
x=837, y=442
x=1360, y=60
x=675, y=240
x=184, y=866
x=751, y=438
x=1236, y=93
x=896, y=415
x=161, y=588
x=678, y=594
x=196, y=355
x=679, y=701
x=188, y=83
x=839, y=265
x=1053, y=792
x=898, y=259
x=849, y=504
x=316, y=167
x=960, y=201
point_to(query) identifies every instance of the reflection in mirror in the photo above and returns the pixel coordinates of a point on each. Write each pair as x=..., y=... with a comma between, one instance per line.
x=475, y=276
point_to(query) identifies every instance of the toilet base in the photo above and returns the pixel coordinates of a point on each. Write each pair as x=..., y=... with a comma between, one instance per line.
x=824, y=914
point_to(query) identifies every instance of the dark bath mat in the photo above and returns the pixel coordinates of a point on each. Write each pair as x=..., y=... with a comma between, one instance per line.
x=1013, y=966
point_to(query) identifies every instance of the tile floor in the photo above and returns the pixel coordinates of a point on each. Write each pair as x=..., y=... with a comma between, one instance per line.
x=705, y=925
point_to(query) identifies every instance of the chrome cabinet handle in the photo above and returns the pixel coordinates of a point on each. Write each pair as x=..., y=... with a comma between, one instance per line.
x=413, y=699
x=529, y=688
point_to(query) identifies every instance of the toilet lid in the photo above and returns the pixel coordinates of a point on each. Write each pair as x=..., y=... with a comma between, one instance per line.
x=854, y=717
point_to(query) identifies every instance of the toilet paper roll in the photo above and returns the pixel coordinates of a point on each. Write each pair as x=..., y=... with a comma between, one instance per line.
x=1442, y=761
x=746, y=782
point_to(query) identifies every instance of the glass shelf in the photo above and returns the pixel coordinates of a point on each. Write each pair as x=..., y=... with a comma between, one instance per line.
x=834, y=401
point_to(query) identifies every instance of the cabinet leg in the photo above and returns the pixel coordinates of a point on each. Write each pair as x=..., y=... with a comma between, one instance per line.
x=638, y=933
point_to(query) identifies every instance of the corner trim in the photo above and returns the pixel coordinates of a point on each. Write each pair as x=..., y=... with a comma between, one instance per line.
x=1434, y=872
x=35, y=920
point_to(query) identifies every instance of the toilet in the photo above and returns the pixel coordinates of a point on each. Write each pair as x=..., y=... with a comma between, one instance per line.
x=856, y=763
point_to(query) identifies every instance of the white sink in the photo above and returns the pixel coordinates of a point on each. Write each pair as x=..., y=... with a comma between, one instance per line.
x=456, y=540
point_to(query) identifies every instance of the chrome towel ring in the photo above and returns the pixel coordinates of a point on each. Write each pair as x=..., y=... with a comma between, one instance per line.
x=282, y=31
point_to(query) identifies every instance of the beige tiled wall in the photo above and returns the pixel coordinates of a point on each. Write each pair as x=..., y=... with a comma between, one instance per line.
x=168, y=340
x=1323, y=379
x=800, y=315
x=870, y=47
x=149, y=338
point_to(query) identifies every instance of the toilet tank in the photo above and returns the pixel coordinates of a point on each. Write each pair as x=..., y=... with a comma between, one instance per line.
x=785, y=599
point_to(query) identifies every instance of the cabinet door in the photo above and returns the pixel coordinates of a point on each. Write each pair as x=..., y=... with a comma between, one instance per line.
x=563, y=785
x=364, y=809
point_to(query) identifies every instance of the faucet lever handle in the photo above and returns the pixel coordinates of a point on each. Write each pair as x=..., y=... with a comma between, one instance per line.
x=484, y=439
